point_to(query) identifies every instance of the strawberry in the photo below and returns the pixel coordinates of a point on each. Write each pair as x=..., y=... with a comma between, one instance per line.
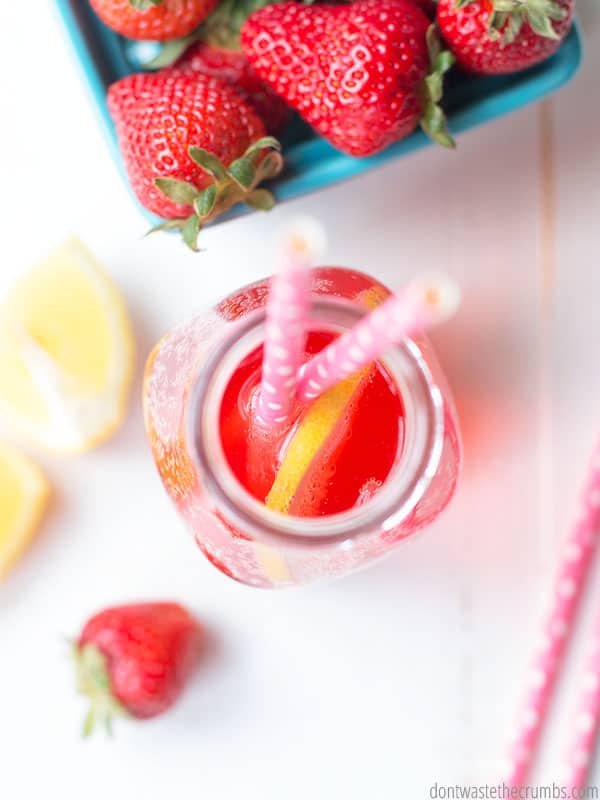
x=232, y=66
x=192, y=147
x=358, y=73
x=155, y=20
x=494, y=37
x=134, y=660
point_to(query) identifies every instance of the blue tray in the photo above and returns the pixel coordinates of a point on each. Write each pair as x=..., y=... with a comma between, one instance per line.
x=311, y=163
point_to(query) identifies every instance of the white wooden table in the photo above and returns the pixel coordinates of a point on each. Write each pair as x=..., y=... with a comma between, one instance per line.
x=381, y=684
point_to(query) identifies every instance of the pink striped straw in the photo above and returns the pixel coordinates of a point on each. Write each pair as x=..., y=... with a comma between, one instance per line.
x=287, y=322
x=422, y=304
x=568, y=589
x=587, y=721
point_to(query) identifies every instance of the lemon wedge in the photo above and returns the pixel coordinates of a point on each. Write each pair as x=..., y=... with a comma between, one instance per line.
x=315, y=428
x=23, y=497
x=66, y=352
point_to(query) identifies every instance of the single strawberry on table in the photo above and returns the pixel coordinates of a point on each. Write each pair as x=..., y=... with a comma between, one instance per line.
x=192, y=147
x=232, y=67
x=362, y=74
x=134, y=660
x=495, y=37
x=153, y=20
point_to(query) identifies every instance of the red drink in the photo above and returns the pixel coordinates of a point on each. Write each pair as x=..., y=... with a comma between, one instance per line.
x=359, y=452
x=366, y=465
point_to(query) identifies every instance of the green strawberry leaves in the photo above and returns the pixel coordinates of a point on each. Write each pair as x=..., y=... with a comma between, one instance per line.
x=144, y=5
x=179, y=192
x=233, y=184
x=205, y=202
x=167, y=225
x=209, y=163
x=509, y=16
x=255, y=149
x=261, y=200
x=222, y=27
x=433, y=120
x=243, y=173
x=93, y=680
x=190, y=231
x=172, y=51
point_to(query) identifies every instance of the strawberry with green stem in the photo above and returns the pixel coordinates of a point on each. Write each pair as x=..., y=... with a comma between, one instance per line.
x=364, y=75
x=495, y=37
x=135, y=660
x=234, y=184
x=192, y=148
x=154, y=20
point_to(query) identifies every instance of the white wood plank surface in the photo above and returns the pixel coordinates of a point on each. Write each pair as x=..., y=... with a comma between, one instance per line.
x=409, y=673
x=574, y=385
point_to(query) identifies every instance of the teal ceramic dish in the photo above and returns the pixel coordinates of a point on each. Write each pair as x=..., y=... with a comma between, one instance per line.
x=312, y=163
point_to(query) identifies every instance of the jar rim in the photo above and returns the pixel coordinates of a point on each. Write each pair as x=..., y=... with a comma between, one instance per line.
x=405, y=485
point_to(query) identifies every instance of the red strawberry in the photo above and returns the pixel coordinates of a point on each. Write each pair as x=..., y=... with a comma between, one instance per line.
x=232, y=66
x=156, y=20
x=134, y=660
x=500, y=36
x=357, y=73
x=191, y=146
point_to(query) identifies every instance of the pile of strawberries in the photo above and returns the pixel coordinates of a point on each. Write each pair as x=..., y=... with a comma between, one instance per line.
x=197, y=135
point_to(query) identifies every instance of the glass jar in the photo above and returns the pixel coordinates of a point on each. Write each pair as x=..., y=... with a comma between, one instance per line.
x=186, y=376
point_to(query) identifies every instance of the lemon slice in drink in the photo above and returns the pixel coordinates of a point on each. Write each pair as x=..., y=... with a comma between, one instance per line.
x=66, y=352
x=23, y=496
x=299, y=472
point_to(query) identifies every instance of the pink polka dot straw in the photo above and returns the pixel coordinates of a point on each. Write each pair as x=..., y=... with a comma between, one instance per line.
x=287, y=322
x=422, y=304
x=568, y=589
x=587, y=721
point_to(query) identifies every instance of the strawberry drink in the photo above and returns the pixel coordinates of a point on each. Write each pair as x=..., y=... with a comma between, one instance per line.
x=336, y=483
x=353, y=463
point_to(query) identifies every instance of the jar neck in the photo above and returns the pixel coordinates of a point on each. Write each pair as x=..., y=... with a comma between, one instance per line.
x=416, y=461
